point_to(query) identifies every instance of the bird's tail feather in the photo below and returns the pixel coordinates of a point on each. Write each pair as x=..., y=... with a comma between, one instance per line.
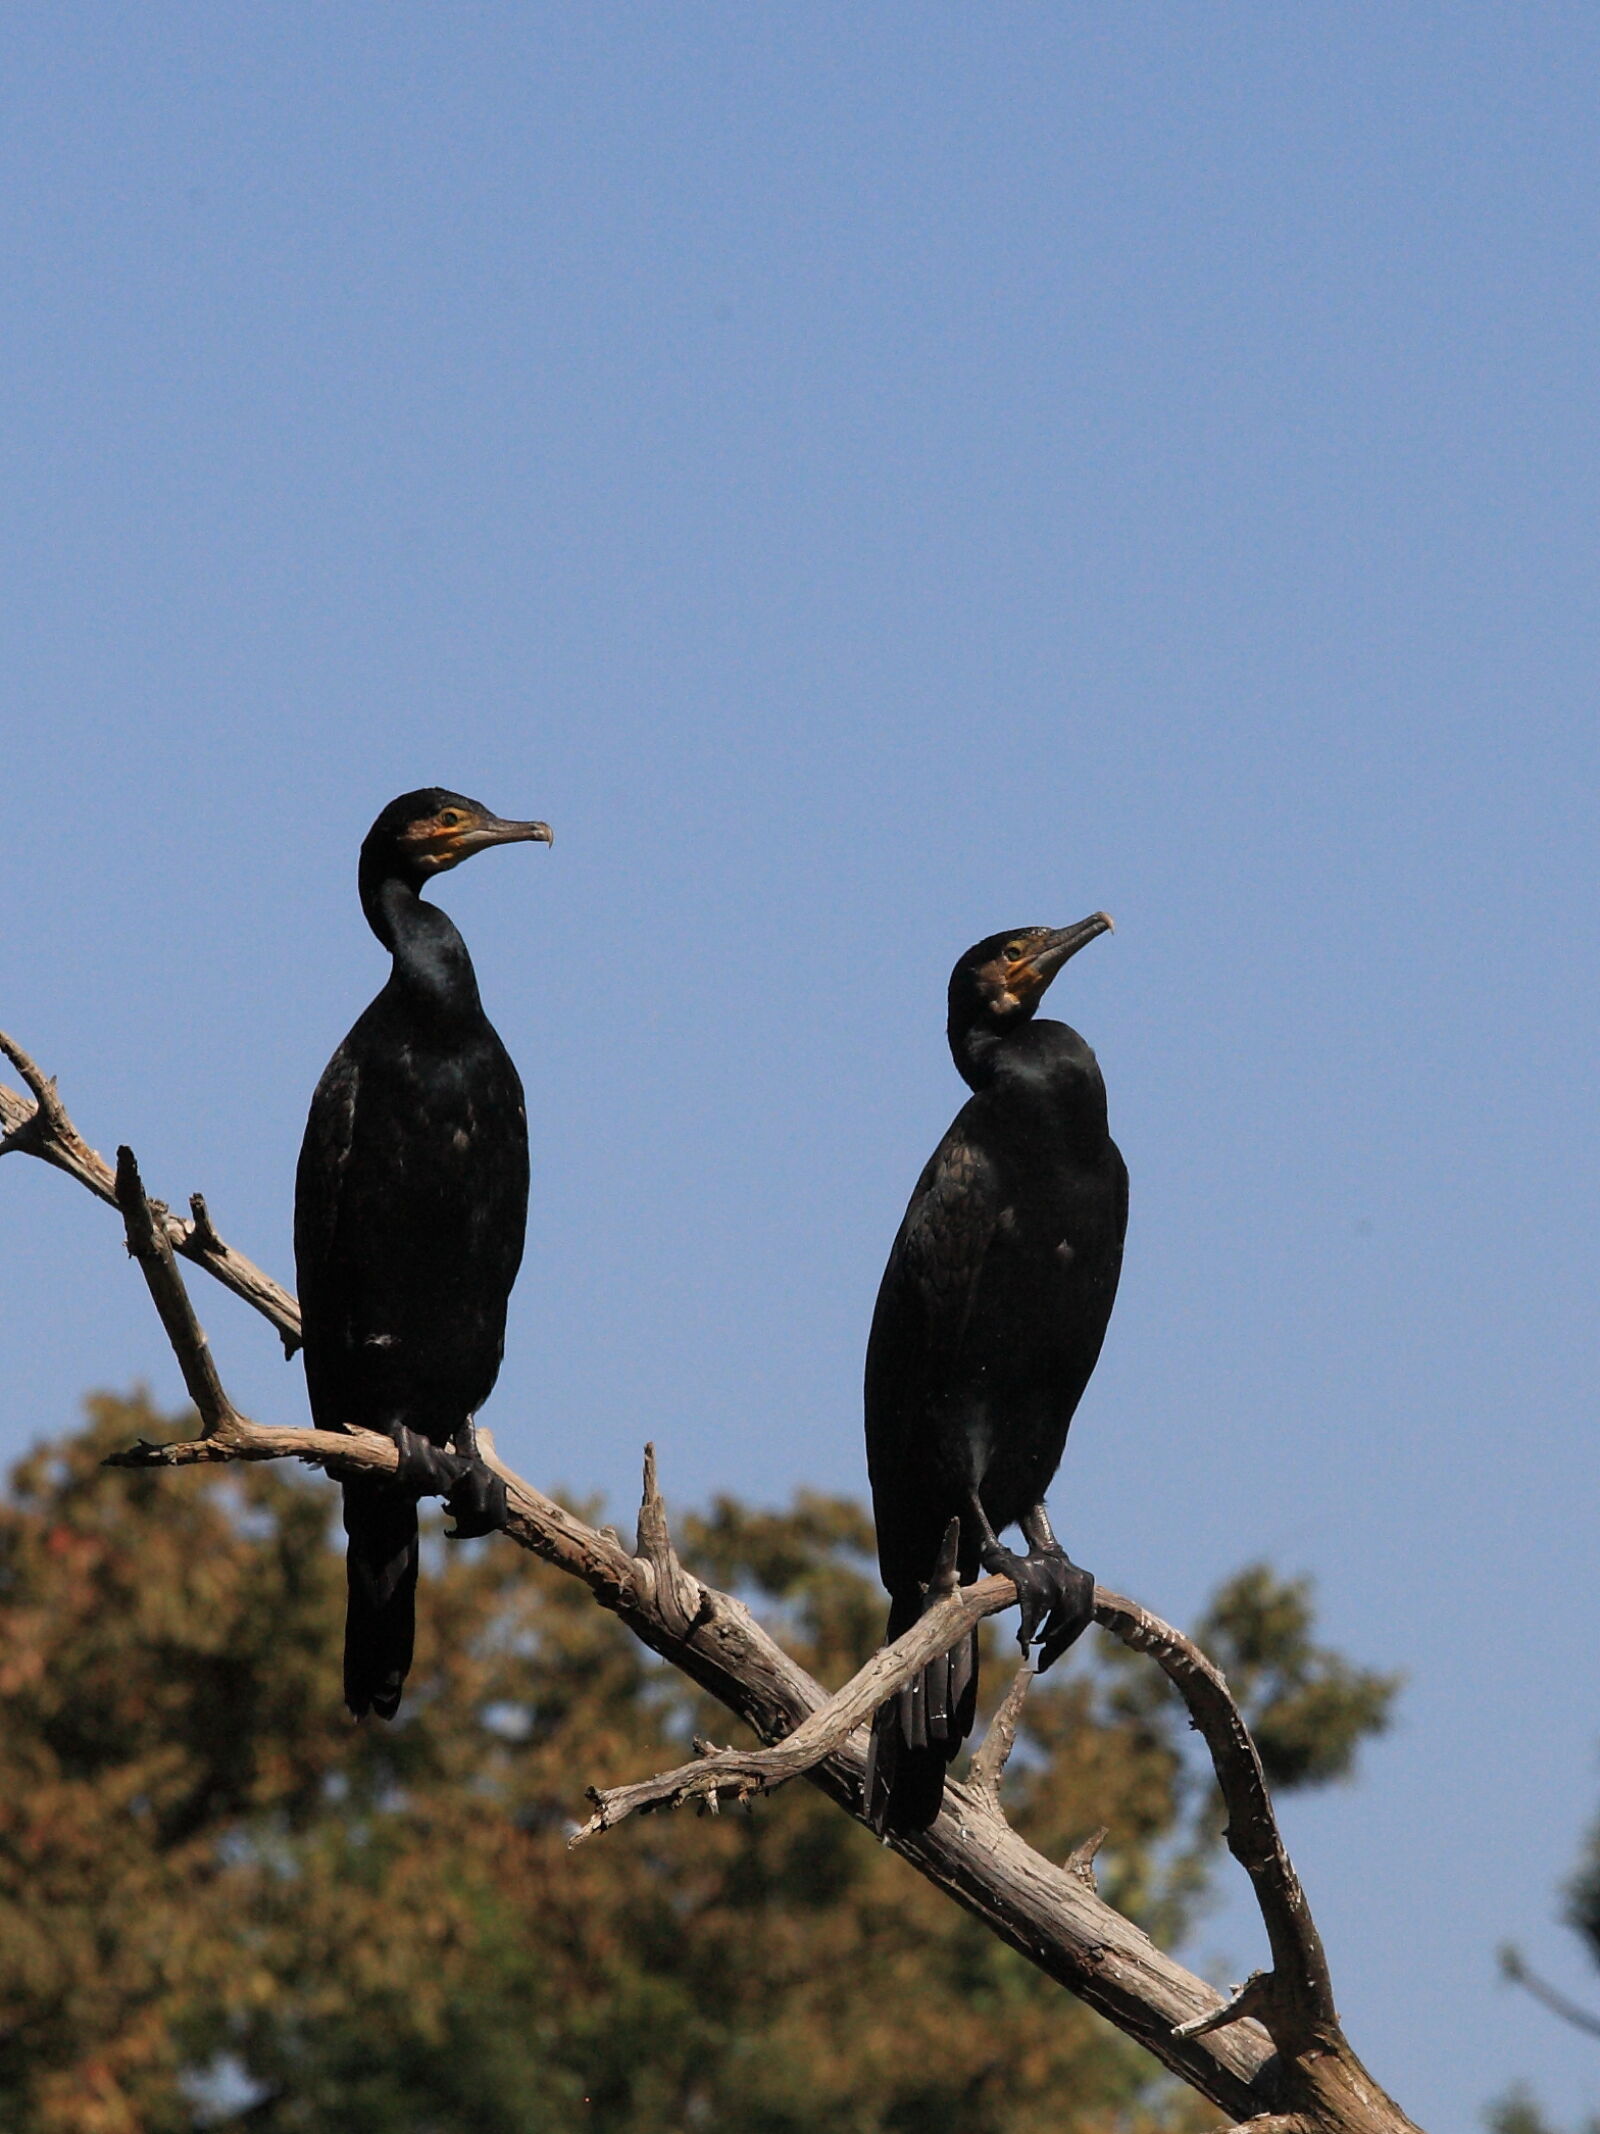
x=917, y=1735
x=380, y=1613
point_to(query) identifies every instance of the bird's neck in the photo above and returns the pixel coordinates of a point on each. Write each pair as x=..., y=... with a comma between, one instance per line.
x=976, y=1050
x=1044, y=1061
x=431, y=964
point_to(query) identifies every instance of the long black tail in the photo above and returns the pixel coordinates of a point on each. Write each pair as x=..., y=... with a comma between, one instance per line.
x=917, y=1734
x=380, y=1614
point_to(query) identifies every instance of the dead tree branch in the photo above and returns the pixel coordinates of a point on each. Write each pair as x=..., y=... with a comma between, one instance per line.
x=1295, y=1999
x=739, y=1773
x=42, y=1128
x=1273, y=2057
x=149, y=1244
x=989, y=1759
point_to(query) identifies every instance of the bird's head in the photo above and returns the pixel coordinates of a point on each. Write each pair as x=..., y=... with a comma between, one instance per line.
x=424, y=833
x=998, y=984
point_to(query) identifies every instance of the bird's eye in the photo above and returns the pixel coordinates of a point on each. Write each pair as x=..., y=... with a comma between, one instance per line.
x=1014, y=949
x=450, y=819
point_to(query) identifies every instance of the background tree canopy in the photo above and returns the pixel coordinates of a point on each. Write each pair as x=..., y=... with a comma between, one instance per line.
x=221, y=1904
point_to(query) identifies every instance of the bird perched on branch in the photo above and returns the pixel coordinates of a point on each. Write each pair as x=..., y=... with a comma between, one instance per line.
x=411, y=1200
x=988, y=1324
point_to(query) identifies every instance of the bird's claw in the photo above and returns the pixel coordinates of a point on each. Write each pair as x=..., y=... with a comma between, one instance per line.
x=477, y=1504
x=1055, y=1596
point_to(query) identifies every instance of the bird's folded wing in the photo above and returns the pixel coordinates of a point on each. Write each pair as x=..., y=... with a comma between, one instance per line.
x=946, y=1237
x=324, y=1155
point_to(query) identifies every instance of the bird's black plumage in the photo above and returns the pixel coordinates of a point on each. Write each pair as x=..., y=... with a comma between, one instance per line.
x=411, y=1200
x=989, y=1321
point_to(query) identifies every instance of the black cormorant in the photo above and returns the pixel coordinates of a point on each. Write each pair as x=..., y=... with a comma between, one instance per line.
x=988, y=1324
x=411, y=1200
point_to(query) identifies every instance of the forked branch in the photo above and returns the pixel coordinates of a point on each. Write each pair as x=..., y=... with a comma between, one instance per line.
x=990, y=1757
x=1290, y=2072
x=1295, y=1999
x=149, y=1244
x=739, y=1773
x=43, y=1128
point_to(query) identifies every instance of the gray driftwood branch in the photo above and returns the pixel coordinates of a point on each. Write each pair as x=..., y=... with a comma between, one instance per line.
x=1273, y=2057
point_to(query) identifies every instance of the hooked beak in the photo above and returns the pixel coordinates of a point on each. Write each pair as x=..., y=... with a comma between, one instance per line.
x=1061, y=946
x=495, y=830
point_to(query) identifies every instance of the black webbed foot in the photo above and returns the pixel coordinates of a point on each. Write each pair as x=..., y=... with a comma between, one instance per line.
x=477, y=1504
x=1057, y=1598
x=426, y=1469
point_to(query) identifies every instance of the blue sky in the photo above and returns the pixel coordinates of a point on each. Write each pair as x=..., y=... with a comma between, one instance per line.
x=869, y=478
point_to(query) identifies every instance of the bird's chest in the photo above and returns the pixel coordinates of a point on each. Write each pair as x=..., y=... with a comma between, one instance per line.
x=438, y=1142
x=1054, y=1239
x=448, y=1108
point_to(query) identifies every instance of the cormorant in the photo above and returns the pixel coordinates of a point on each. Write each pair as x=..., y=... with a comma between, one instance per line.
x=411, y=1200
x=988, y=1324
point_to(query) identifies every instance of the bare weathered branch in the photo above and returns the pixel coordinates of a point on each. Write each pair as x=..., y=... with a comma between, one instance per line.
x=661, y=1575
x=241, y=1439
x=1299, y=1992
x=992, y=1754
x=44, y=1129
x=204, y=1232
x=742, y=1772
x=226, y=1434
x=1051, y=1915
x=1295, y=1999
x=1080, y=1861
x=149, y=1245
x=1047, y=1913
x=1252, y=1998
x=1300, y=2079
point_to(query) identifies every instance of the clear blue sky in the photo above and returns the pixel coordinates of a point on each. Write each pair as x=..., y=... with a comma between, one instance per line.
x=870, y=477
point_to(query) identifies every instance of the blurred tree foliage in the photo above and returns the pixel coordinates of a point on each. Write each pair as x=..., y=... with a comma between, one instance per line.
x=1518, y=2112
x=221, y=1904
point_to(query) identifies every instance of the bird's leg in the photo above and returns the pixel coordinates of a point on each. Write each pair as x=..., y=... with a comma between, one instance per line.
x=477, y=1502
x=1057, y=1598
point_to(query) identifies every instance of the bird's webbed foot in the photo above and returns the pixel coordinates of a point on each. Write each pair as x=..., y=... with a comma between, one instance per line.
x=426, y=1469
x=477, y=1504
x=474, y=1495
x=1057, y=1598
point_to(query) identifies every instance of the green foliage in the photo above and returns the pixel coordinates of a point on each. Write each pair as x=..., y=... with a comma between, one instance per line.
x=218, y=1897
x=1517, y=2113
x=1583, y=1895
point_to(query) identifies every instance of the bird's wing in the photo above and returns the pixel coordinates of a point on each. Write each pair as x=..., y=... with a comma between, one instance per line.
x=938, y=1257
x=914, y=1355
x=324, y=1157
